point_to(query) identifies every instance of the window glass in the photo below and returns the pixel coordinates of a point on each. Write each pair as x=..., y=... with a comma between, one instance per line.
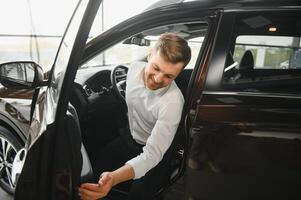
x=266, y=55
x=136, y=48
x=195, y=45
x=270, y=52
x=109, y=14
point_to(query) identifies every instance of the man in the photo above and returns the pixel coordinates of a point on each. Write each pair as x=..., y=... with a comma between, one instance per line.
x=154, y=110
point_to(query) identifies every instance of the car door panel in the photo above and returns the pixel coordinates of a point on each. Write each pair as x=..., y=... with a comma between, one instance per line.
x=53, y=162
x=251, y=110
x=247, y=145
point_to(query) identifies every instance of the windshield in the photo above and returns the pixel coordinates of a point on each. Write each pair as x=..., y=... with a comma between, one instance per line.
x=122, y=53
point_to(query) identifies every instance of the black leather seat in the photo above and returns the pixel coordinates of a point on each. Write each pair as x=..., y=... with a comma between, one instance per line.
x=182, y=80
x=246, y=65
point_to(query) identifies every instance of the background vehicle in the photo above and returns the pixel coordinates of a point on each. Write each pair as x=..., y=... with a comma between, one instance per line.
x=14, y=127
x=239, y=133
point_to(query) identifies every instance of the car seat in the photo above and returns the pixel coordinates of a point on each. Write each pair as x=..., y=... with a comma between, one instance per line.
x=246, y=65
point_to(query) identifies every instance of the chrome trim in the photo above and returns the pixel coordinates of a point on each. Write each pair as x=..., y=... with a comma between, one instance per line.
x=253, y=94
x=235, y=64
x=270, y=134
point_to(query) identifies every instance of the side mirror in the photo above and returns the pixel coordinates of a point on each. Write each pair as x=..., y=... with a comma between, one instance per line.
x=137, y=41
x=21, y=75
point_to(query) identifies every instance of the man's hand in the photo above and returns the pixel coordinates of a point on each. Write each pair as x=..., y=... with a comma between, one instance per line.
x=90, y=191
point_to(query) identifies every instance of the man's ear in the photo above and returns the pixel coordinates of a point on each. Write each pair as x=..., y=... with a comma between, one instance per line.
x=149, y=55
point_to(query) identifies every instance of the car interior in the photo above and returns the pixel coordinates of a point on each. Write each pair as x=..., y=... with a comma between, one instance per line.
x=98, y=93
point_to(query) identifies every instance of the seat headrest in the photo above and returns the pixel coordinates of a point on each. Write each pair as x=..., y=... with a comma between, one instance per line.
x=247, y=60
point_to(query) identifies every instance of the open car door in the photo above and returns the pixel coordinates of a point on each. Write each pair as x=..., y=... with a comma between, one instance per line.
x=52, y=157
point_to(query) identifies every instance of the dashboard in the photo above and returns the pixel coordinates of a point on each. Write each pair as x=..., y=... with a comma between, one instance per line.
x=92, y=92
x=99, y=84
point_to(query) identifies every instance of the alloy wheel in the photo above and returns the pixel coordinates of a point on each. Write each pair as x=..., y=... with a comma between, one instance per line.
x=7, y=154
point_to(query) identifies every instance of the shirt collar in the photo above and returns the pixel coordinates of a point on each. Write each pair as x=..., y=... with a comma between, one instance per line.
x=160, y=91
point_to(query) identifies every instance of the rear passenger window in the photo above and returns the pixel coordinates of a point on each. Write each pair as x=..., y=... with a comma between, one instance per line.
x=266, y=56
x=270, y=52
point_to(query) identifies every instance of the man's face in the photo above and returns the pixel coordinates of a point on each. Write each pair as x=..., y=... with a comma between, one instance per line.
x=158, y=73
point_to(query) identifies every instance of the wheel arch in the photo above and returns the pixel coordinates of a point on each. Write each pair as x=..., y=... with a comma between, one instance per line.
x=11, y=126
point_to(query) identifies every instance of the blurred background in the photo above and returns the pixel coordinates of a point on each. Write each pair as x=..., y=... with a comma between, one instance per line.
x=32, y=29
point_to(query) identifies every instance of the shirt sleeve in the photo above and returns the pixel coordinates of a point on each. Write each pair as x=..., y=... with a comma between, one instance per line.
x=160, y=139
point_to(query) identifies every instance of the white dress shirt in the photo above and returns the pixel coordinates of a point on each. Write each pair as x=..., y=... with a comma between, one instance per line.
x=154, y=116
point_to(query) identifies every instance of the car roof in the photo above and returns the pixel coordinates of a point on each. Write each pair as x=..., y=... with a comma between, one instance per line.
x=227, y=4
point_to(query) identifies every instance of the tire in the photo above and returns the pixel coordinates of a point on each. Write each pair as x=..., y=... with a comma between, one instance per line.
x=9, y=146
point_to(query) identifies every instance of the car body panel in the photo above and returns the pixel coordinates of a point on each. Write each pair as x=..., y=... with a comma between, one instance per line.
x=15, y=107
x=224, y=4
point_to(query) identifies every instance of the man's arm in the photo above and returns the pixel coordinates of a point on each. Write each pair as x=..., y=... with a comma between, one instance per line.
x=106, y=182
x=122, y=174
x=160, y=139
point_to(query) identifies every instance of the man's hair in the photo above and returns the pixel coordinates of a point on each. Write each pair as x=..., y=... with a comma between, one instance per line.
x=173, y=48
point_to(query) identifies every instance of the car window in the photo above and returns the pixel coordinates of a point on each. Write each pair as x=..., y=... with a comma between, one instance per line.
x=127, y=53
x=119, y=54
x=270, y=52
x=266, y=55
x=137, y=47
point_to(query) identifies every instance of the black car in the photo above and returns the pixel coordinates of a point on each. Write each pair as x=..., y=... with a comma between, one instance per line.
x=240, y=133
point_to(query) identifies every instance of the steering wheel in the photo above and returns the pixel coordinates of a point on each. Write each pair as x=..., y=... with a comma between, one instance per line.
x=118, y=80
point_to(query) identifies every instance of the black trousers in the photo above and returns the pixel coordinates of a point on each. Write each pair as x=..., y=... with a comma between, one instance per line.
x=122, y=149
